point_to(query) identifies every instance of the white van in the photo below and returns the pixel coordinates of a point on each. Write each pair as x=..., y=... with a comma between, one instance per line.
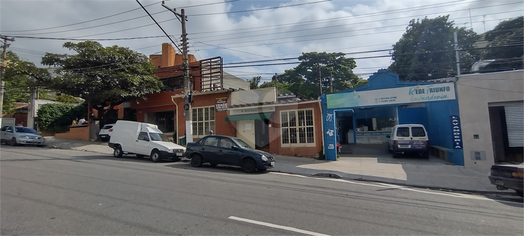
x=143, y=139
x=409, y=138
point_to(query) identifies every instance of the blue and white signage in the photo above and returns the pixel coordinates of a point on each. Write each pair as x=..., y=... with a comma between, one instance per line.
x=412, y=94
x=456, y=131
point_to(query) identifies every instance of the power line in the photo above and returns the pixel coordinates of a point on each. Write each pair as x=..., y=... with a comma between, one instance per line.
x=167, y=35
x=84, y=39
x=260, y=9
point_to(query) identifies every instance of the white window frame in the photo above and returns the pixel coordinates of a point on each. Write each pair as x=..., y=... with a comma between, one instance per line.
x=297, y=126
x=196, y=122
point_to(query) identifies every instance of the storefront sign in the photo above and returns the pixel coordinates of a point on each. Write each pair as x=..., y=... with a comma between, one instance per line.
x=457, y=132
x=413, y=94
x=251, y=110
x=221, y=104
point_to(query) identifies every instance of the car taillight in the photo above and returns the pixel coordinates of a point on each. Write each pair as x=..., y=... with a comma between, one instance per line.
x=110, y=130
x=427, y=143
x=517, y=174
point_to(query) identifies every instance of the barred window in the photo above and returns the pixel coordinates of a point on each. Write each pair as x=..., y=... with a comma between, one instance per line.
x=203, y=120
x=297, y=127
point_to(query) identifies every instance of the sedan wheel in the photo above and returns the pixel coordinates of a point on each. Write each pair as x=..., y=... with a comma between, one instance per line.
x=196, y=160
x=249, y=165
x=13, y=142
x=155, y=156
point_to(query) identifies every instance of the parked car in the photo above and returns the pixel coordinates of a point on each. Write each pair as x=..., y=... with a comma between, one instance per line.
x=143, y=139
x=507, y=176
x=105, y=132
x=408, y=138
x=15, y=135
x=218, y=149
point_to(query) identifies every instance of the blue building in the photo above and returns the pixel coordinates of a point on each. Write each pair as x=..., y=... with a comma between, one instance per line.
x=365, y=115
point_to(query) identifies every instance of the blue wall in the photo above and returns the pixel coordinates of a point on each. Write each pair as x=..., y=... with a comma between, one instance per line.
x=435, y=116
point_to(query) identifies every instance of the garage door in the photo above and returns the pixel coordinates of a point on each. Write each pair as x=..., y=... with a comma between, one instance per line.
x=515, y=123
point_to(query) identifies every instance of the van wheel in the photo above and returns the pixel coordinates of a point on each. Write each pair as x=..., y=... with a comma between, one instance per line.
x=155, y=156
x=425, y=155
x=117, y=151
x=389, y=150
x=520, y=193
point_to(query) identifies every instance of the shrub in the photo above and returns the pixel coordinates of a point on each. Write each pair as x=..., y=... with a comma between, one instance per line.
x=58, y=117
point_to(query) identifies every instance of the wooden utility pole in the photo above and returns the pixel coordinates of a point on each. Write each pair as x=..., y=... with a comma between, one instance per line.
x=4, y=53
x=188, y=96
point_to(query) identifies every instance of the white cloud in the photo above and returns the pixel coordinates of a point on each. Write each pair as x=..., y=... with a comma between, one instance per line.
x=332, y=26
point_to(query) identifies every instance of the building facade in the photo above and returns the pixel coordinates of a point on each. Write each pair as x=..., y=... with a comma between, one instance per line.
x=492, y=118
x=365, y=115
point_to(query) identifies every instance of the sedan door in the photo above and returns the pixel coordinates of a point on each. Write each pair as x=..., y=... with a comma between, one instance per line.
x=227, y=154
x=209, y=150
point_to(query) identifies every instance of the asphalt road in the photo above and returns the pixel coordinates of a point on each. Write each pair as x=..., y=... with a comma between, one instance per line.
x=62, y=192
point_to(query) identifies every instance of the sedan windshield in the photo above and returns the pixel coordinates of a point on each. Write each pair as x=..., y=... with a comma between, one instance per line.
x=25, y=130
x=242, y=144
x=158, y=137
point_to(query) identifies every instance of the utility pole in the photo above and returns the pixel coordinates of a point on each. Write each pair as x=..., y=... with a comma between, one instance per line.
x=4, y=53
x=457, y=52
x=319, y=81
x=331, y=82
x=188, y=94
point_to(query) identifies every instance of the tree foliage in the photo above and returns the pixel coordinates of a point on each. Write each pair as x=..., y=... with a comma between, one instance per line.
x=426, y=50
x=56, y=117
x=20, y=78
x=103, y=76
x=505, y=45
x=253, y=82
x=304, y=78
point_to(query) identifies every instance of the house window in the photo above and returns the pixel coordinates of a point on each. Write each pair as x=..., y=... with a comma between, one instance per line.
x=203, y=120
x=297, y=127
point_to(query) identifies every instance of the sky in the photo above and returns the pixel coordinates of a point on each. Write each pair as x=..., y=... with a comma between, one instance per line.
x=241, y=31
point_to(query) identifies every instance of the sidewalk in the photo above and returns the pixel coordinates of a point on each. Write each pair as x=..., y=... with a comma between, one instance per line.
x=411, y=171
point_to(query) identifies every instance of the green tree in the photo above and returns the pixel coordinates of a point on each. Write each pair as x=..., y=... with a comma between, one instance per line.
x=304, y=78
x=505, y=46
x=102, y=76
x=253, y=82
x=20, y=78
x=426, y=50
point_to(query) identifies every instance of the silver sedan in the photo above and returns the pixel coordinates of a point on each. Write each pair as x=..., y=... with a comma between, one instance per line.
x=15, y=135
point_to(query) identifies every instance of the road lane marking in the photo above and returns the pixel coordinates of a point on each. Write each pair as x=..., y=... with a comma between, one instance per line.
x=407, y=188
x=276, y=226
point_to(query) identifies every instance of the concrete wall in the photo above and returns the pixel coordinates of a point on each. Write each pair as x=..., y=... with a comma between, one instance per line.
x=254, y=96
x=78, y=133
x=231, y=81
x=474, y=93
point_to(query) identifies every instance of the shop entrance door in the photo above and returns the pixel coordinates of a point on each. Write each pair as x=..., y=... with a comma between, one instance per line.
x=246, y=131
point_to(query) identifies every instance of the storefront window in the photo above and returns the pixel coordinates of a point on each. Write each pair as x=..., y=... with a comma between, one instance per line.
x=297, y=127
x=203, y=120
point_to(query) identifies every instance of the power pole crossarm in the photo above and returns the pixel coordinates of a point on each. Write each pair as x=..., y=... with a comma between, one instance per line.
x=188, y=90
x=4, y=53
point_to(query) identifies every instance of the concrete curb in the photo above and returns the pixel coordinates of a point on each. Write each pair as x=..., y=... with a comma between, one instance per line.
x=336, y=176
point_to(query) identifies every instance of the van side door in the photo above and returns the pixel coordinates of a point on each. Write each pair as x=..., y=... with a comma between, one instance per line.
x=142, y=144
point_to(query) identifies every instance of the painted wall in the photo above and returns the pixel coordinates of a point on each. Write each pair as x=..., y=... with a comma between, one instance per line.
x=475, y=92
x=275, y=141
x=436, y=115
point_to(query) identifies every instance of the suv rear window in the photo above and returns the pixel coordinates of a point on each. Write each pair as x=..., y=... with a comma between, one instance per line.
x=418, y=132
x=403, y=131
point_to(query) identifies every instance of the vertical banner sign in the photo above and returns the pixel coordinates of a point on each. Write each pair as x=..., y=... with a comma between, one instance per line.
x=456, y=132
x=221, y=104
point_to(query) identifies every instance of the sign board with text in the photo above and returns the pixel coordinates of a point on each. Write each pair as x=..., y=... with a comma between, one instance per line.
x=221, y=104
x=251, y=110
x=402, y=95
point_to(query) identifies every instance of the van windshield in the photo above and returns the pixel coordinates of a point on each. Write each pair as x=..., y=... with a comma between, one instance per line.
x=158, y=137
x=418, y=132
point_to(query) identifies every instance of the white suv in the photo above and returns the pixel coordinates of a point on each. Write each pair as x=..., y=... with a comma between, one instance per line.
x=105, y=132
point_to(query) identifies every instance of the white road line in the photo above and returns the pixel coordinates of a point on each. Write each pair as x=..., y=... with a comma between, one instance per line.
x=407, y=188
x=276, y=226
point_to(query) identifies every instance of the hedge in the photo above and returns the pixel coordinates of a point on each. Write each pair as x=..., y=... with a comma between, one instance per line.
x=58, y=117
